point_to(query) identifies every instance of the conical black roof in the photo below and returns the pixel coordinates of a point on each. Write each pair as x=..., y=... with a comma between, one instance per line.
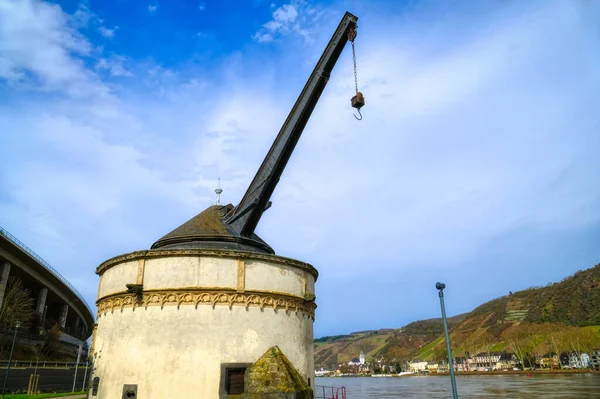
x=208, y=230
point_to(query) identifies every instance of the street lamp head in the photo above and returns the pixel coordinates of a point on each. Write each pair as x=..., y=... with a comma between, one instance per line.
x=440, y=286
x=17, y=324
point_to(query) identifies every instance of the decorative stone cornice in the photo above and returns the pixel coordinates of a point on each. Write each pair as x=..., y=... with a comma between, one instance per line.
x=197, y=297
x=232, y=254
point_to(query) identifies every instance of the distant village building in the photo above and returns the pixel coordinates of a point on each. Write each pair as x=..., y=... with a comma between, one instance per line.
x=486, y=360
x=507, y=361
x=443, y=367
x=354, y=362
x=575, y=361
x=585, y=360
x=595, y=360
x=416, y=366
x=359, y=362
x=432, y=366
x=460, y=364
x=471, y=364
x=322, y=371
x=550, y=361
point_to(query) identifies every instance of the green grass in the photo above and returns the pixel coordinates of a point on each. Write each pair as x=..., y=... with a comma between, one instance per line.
x=45, y=395
x=593, y=328
x=425, y=352
x=499, y=347
x=382, y=343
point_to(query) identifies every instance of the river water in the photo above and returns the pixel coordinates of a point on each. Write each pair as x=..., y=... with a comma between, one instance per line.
x=484, y=386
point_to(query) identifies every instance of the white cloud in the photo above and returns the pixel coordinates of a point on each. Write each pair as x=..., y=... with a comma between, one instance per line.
x=42, y=49
x=106, y=32
x=286, y=14
x=82, y=16
x=263, y=37
x=114, y=65
x=287, y=20
x=152, y=7
x=202, y=6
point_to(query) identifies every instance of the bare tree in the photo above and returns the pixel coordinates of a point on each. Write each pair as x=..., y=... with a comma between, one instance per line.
x=17, y=304
x=519, y=343
x=48, y=347
x=556, y=338
x=581, y=340
x=487, y=342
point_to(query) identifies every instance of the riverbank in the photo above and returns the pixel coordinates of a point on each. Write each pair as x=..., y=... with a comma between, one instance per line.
x=508, y=372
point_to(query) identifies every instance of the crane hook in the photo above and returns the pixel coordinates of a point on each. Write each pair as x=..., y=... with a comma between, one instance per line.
x=357, y=118
x=358, y=101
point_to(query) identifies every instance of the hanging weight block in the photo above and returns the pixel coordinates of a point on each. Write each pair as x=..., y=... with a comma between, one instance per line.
x=358, y=100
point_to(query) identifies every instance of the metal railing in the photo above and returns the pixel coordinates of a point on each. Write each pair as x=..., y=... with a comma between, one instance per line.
x=41, y=364
x=323, y=392
x=45, y=264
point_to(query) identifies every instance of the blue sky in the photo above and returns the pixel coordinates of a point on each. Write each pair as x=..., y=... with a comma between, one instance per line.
x=475, y=164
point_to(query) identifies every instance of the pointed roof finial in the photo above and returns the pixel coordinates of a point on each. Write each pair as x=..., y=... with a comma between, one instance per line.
x=218, y=191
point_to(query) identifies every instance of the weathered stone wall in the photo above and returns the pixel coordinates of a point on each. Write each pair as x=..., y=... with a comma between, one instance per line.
x=196, y=313
x=208, y=272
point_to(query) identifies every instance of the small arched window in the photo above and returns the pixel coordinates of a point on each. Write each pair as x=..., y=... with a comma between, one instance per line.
x=95, y=384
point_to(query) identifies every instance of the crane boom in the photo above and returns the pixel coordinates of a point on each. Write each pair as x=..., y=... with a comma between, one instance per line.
x=245, y=217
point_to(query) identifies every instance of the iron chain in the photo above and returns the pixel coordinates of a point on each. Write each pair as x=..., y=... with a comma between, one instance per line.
x=354, y=60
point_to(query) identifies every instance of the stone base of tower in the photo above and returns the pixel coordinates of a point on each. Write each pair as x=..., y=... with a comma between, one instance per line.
x=202, y=317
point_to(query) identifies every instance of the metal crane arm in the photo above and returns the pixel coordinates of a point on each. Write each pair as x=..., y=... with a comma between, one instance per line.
x=245, y=217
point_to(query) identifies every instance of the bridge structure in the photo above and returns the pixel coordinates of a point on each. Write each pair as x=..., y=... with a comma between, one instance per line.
x=56, y=301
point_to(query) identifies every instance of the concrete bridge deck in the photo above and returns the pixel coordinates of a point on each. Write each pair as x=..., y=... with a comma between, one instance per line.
x=56, y=300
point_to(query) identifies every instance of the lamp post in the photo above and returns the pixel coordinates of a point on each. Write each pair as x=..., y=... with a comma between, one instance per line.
x=440, y=287
x=76, y=366
x=87, y=365
x=12, y=349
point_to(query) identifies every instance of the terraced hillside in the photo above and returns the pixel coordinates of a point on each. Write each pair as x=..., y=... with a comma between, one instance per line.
x=516, y=310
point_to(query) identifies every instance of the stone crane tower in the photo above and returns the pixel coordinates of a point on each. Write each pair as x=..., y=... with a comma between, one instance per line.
x=210, y=310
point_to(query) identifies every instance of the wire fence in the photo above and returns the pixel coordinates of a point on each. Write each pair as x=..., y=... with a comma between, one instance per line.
x=44, y=379
x=45, y=264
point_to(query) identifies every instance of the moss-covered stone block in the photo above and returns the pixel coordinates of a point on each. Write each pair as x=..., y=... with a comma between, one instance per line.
x=273, y=376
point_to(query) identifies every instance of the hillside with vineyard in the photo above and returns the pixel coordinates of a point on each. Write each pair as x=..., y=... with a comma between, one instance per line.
x=560, y=317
